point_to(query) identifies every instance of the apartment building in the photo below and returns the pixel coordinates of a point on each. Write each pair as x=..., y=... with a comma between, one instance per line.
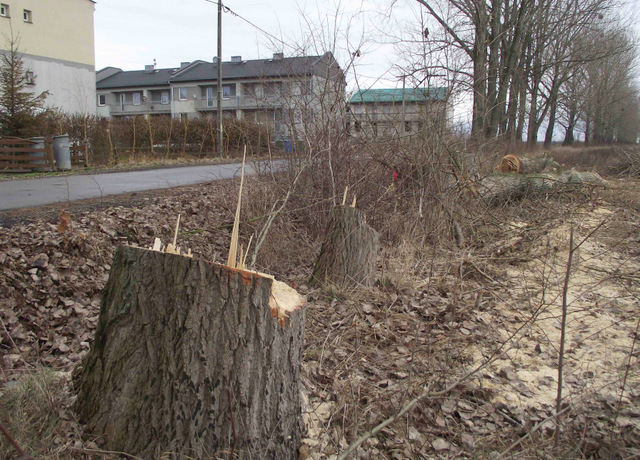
x=398, y=112
x=282, y=92
x=57, y=46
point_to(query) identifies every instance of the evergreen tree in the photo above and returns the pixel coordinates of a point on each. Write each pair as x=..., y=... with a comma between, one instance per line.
x=19, y=106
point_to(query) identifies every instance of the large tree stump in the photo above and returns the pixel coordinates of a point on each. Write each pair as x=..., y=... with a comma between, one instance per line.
x=348, y=256
x=192, y=357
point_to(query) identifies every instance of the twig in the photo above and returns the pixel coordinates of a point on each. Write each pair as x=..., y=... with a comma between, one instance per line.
x=563, y=327
x=533, y=430
x=627, y=368
x=14, y=444
x=427, y=394
x=4, y=326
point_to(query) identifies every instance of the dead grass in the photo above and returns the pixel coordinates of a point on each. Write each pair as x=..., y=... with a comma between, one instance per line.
x=35, y=411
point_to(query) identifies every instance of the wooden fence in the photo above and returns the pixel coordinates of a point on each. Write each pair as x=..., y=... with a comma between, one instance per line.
x=26, y=154
x=79, y=154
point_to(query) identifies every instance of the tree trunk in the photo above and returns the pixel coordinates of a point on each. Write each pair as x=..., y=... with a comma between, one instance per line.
x=192, y=357
x=500, y=189
x=514, y=164
x=348, y=256
x=548, y=137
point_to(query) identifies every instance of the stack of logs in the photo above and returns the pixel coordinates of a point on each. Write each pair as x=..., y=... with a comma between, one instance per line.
x=522, y=177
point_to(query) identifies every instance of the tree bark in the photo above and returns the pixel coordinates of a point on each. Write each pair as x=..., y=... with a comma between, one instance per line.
x=348, y=256
x=500, y=189
x=192, y=357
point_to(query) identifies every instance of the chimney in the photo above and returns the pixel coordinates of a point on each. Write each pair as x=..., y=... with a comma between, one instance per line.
x=184, y=64
x=278, y=56
x=236, y=59
x=215, y=60
x=149, y=68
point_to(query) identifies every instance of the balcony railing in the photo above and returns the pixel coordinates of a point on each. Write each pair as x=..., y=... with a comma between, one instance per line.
x=238, y=102
x=142, y=108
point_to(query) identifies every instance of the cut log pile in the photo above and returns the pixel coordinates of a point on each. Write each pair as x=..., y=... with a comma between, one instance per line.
x=523, y=177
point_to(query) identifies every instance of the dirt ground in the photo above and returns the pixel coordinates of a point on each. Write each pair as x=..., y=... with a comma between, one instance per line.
x=474, y=330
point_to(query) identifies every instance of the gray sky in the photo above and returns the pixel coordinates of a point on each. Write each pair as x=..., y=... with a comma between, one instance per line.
x=132, y=33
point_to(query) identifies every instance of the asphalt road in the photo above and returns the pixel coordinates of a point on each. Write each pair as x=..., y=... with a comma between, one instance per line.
x=25, y=193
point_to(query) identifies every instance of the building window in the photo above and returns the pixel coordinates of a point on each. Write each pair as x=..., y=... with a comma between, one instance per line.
x=228, y=90
x=183, y=117
x=136, y=98
x=273, y=89
x=348, y=127
x=4, y=10
x=407, y=126
x=305, y=87
x=182, y=94
x=29, y=78
x=102, y=100
x=164, y=98
x=26, y=15
x=358, y=126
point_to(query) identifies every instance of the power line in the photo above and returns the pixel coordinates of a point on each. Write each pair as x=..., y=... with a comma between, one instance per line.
x=233, y=13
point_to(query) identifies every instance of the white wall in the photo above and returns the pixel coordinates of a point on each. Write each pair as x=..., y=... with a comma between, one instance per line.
x=72, y=87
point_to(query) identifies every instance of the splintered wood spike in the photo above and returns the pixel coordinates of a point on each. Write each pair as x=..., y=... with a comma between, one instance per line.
x=233, y=248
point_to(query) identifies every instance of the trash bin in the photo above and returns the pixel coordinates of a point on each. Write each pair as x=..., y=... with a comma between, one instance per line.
x=288, y=145
x=39, y=158
x=61, y=152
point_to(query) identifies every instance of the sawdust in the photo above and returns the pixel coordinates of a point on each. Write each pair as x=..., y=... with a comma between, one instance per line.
x=603, y=304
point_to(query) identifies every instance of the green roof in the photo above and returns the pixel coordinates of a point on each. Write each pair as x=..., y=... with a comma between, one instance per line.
x=395, y=95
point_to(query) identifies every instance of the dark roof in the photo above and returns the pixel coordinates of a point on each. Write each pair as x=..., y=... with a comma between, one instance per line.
x=207, y=71
x=136, y=78
x=395, y=95
x=255, y=68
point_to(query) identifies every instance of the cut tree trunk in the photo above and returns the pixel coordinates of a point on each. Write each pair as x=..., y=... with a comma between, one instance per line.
x=348, y=257
x=512, y=163
x=498, y=189
x=194, y=358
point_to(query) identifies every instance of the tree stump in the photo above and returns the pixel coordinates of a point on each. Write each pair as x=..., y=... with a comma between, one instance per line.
x=194, y=358
x=348, y=256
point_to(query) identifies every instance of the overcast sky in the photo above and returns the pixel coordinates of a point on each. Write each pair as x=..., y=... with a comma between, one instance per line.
x=132, y=33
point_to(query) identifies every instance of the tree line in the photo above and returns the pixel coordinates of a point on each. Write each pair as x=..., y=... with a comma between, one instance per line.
x=531, y=63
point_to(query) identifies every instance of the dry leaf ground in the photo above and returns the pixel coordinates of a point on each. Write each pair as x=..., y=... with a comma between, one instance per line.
x=437, y=313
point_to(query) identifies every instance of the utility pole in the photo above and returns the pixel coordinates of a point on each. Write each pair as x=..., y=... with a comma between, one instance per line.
x=219, y=78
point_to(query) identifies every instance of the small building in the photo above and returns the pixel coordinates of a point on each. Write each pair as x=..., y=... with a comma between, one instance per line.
x=283, y=93
x=56, y=42
x=394, y=112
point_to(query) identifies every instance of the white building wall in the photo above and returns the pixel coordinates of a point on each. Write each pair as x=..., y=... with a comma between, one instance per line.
x=71, y=86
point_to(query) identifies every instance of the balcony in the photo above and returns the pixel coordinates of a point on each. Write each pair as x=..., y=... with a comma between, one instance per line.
x=238, y=102
x=148, y=107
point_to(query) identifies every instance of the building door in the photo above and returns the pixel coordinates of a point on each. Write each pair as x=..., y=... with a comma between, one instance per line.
x=122, y=100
